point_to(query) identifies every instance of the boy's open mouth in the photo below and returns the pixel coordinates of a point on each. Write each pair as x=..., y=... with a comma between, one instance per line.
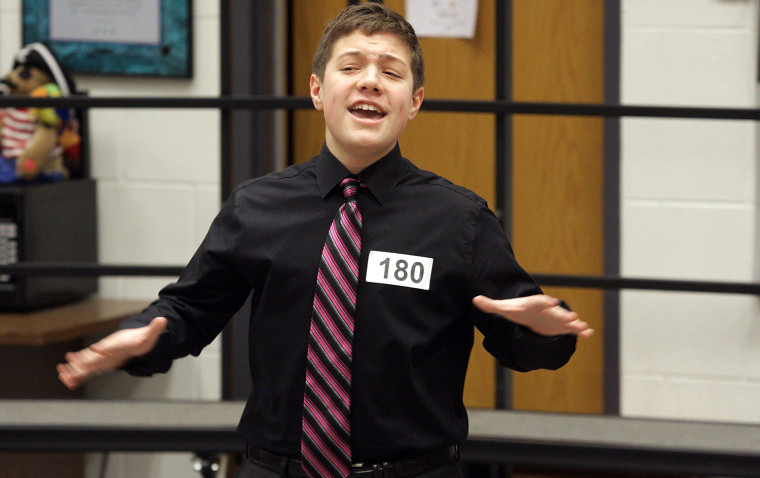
x=365, y=111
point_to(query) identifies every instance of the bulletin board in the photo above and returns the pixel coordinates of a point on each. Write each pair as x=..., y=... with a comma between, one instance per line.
x=113, y=37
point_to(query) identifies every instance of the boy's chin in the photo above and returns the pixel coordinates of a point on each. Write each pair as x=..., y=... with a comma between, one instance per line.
x=370, y=143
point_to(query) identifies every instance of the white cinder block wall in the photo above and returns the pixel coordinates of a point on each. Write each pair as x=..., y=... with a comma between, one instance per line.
x=158, y=177
x=690, y=211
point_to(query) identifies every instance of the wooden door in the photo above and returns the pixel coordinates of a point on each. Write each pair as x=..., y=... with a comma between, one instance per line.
x=557, y=186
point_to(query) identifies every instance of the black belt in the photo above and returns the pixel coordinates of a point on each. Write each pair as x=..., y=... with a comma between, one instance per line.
x=396, y=469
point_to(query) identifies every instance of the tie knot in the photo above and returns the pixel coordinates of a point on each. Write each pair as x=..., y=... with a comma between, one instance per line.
x=350, y=187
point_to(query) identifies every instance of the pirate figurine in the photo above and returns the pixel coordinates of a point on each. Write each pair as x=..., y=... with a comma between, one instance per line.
x=33, y=140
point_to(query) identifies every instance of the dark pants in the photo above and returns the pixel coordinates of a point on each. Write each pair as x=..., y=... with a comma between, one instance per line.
x=449, y=470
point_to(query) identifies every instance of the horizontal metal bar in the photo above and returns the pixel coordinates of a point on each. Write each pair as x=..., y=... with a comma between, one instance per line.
x=79, y=269
x=440, y=105
x=84, y=269
x=222, y=102
x=602, y=282
x=601, y=110
x=73, y=438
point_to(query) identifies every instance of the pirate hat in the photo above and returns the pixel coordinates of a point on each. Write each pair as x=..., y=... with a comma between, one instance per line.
x=39, y=55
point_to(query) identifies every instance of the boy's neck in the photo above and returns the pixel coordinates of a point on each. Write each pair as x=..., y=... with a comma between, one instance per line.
x=356, y=161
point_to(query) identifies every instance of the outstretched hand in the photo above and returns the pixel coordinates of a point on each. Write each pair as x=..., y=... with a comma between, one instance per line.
x=540, y=313
x=110, y=353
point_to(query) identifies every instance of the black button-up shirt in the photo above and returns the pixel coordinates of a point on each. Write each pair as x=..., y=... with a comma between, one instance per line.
x=411, y=344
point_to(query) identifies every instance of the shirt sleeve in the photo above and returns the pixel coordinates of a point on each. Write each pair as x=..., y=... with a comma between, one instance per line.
x=198, y=306
x=496, y=274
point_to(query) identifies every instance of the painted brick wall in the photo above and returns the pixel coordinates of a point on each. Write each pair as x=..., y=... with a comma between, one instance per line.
x=689, y=211
x=158, y=175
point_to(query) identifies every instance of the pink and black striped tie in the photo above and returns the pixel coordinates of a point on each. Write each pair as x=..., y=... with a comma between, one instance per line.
x=326, y=439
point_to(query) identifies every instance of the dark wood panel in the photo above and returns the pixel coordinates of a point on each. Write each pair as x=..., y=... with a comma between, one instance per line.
x=558, y=182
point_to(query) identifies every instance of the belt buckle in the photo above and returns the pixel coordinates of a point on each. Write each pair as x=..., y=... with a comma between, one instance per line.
x=383, y=470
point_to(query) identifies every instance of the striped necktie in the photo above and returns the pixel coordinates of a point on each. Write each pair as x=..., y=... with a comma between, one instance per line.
x=326, y=438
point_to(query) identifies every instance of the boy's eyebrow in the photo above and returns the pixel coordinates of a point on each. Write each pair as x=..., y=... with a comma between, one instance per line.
x=383, y=56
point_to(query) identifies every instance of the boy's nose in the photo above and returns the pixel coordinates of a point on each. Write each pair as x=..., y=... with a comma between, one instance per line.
x=370, y=80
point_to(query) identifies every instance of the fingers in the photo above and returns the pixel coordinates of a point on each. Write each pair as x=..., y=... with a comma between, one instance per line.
x=109, y=353
x=70, y=376
x=580, y=328
x=67, y=377
x=573, y=324
x=586, y=333
x=568, y=322
x=79, y=367
x=540, y=313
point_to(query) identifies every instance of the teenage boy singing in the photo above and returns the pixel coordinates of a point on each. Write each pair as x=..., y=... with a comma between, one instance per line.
x=368, y=276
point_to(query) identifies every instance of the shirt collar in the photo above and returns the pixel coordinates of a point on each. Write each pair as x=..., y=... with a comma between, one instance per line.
x=380, y=177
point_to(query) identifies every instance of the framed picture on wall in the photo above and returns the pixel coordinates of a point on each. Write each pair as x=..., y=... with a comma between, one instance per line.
x=114, y=37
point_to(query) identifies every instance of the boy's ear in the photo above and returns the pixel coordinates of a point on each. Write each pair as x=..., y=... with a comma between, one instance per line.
x=315, y=88
x=416, y=102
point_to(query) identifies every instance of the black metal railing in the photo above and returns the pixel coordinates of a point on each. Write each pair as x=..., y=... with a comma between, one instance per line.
x=460, y=106
x=441, y=105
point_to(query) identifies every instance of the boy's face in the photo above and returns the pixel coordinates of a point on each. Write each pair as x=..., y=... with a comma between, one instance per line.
x=366, y=96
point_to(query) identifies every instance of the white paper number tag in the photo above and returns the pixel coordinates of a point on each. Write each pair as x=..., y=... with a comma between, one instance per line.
x=399, y=269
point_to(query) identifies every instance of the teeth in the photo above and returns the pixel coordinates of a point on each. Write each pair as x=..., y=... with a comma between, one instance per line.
x=367, y=108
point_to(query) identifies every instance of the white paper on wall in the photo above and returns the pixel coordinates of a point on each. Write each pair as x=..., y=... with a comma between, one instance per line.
x=443, y=18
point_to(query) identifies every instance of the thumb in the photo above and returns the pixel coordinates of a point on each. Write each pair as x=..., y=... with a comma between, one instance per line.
x=152, y=331
x=485, y=304
x=156, y=327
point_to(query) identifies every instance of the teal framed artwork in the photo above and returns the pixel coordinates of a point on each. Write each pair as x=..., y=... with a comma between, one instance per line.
x=114, y=37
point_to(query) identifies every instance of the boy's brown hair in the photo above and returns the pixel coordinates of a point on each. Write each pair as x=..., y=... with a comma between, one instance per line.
x=369, y=18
